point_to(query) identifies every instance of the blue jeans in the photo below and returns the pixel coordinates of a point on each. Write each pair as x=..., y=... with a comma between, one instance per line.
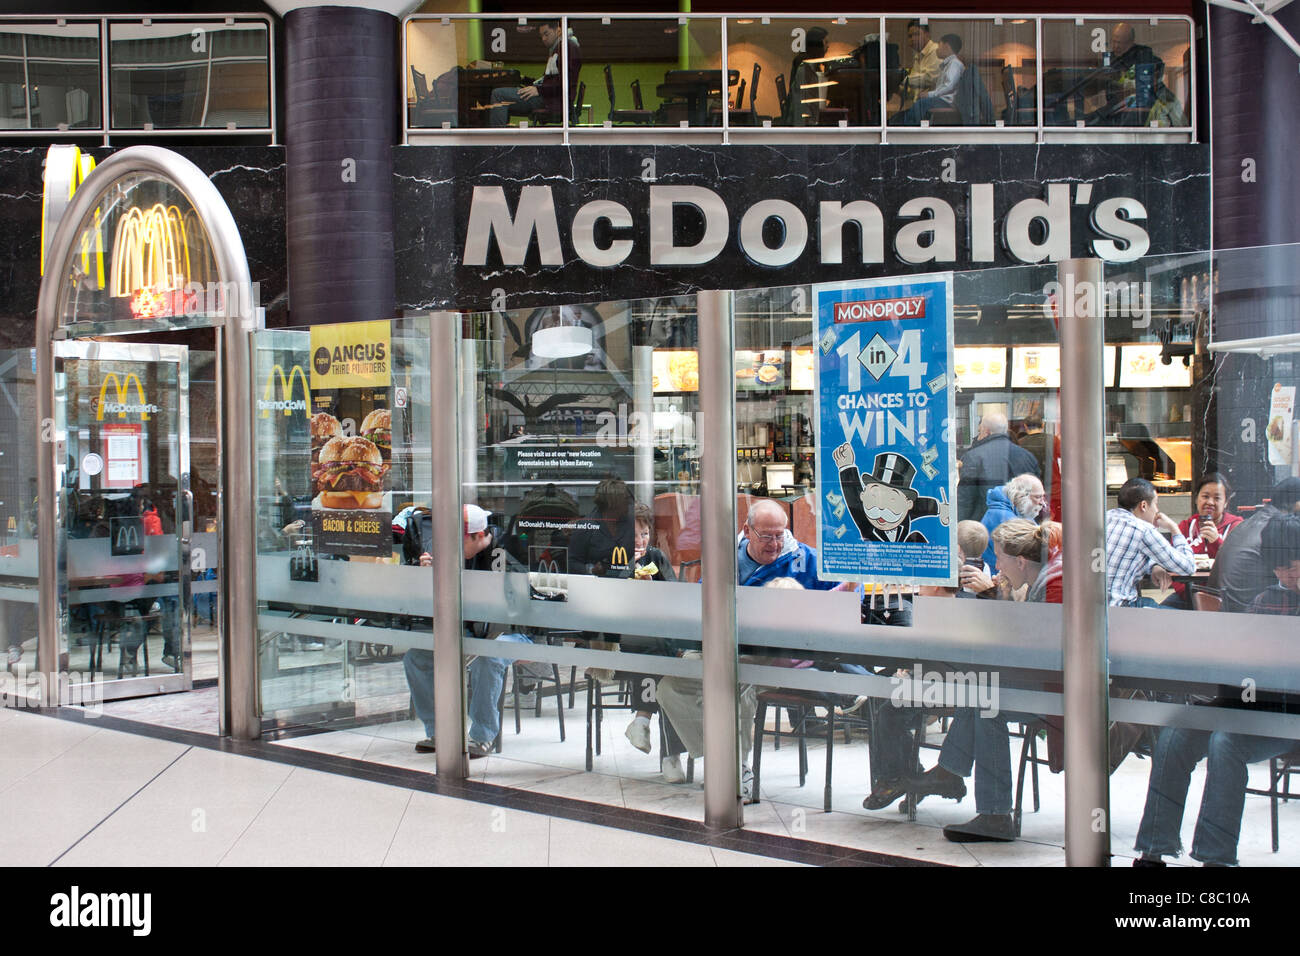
x=1218, y=826
x=487, y=676
x=516, y=105
x=921, y=110
x=982, y=743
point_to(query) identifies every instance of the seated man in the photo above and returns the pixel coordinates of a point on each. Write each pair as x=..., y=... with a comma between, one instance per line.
x=487, y=674
x=1022, y=497
x=546, y=95
x=1135, y=548
x=1241, y=568
x=1179, y=750
x=766, y=551
x=951, y=69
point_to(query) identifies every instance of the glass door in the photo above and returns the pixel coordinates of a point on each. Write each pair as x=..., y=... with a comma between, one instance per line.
x=127, y=516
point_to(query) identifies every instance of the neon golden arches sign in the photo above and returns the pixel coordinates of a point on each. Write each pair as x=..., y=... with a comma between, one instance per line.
x=66, y=168
x=150, y=251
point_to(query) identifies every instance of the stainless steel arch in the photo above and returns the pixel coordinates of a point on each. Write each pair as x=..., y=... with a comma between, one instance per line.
x=238, y=673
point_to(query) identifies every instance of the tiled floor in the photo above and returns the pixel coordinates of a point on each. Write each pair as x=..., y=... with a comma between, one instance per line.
x=75, y=794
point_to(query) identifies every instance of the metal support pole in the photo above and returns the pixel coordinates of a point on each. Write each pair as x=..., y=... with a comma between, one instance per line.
x=716, y=433
x=468, y=410
x=1083, y=503
x=643, y=403
x=448, y=548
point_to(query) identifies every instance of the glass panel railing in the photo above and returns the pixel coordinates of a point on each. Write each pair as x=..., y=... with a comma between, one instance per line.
x=49, y=76
x=1115, y=73
x=190, y=74
x=963, y=72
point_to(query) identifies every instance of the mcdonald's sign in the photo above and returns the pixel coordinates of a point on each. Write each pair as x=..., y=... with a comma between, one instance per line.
x=151, y=257
x=122, y=390
x=66, y=168
x=618, y=557
x=127, y=535
x=286, y=402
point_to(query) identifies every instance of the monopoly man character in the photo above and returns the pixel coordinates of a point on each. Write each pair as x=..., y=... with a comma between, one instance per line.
x=884, y=502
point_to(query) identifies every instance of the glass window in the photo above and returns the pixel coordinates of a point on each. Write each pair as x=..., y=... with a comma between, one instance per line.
x=483, y=74
x=49, y=76
x=963, y=72
x=1133, y=73
x=809, y=72
x=189, y=75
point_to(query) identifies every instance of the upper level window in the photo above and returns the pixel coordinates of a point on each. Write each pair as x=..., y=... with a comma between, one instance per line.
x=49, y=76
x=190, y=74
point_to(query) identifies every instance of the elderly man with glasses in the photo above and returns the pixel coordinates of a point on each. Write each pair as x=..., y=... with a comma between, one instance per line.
x=765, y=552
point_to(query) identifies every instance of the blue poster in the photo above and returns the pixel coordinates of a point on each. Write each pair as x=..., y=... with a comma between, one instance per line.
x=886, y=466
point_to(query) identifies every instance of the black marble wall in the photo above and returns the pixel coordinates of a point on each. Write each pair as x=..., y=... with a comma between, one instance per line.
x=435, y=185
x=250, y=179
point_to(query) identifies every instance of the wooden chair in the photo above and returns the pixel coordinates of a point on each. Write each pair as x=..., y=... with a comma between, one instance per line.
x=640, y=116
x=1203, y=600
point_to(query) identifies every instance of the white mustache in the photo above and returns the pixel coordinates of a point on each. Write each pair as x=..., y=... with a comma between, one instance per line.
x=891, y=516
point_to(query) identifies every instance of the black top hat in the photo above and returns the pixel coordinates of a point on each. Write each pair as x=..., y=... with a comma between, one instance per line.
x=895, y=471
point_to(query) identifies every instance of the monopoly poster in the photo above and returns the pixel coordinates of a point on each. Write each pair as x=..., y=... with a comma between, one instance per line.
x=351, y=438
x=885, y=459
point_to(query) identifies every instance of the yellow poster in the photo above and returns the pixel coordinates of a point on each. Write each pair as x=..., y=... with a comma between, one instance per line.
x=351, y=355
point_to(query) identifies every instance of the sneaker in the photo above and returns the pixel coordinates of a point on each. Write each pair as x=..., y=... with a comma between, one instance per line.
x=747, y=794
x=478, y=749
x=426, y=746
x=672, y=769
x=985, y=828
x=527, y=701
x=852, y=708
x=1149, y=861
x=15, y=653
x=638, y=734
x=171, y=661
x=883, y=794
x=602, y=675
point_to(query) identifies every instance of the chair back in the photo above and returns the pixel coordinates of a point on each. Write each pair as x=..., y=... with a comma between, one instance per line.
x=740, y=96
x=421, y=85
x=637, y=102
x=781, y=95
x=609, y=89
x=1205, y=601
x=753, y=86
x=575, y=110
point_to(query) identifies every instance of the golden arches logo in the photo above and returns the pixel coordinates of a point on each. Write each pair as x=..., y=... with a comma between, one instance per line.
x=150, y=251
x=618, y=557
x=286, y=403
x=123, y=391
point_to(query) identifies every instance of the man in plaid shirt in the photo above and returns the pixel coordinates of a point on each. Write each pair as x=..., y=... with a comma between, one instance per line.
x=1134, y=547
x=1179, y=749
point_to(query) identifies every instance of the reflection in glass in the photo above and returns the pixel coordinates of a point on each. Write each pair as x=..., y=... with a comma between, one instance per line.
x=190, y=75
x=49, y=76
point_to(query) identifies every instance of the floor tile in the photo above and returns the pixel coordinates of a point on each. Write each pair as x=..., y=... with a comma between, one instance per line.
x=580, y=844
x=440, y=831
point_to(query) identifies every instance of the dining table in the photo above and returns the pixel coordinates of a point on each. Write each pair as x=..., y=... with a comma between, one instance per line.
x=695, y=87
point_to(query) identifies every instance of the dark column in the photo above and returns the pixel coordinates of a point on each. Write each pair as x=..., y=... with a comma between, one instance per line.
x=340, y=105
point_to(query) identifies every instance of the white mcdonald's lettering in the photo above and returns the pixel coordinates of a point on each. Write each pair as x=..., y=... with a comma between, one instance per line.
x=150, y=251
x=123, y=389
x=876, y=310
x=286, y=403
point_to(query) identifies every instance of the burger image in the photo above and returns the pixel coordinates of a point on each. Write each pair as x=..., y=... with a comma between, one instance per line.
x=350, y=474
x=1276, y=429
x=324, y=426
x=378, y=427
x=768, y=374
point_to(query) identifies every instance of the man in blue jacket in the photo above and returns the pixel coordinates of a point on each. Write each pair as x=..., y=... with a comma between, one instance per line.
x=766, y=551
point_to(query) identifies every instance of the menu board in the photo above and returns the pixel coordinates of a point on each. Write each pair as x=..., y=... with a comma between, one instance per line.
x=1039, y=366
x=760, y=371
x=801, y=370
x=676, y=370
x=980, y=367
x=1140, y=367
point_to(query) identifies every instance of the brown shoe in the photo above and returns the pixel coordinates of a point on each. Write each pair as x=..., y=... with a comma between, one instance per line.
x=939, y=782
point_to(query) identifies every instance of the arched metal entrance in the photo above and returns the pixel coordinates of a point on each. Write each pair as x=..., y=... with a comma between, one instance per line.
x=93, y=287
